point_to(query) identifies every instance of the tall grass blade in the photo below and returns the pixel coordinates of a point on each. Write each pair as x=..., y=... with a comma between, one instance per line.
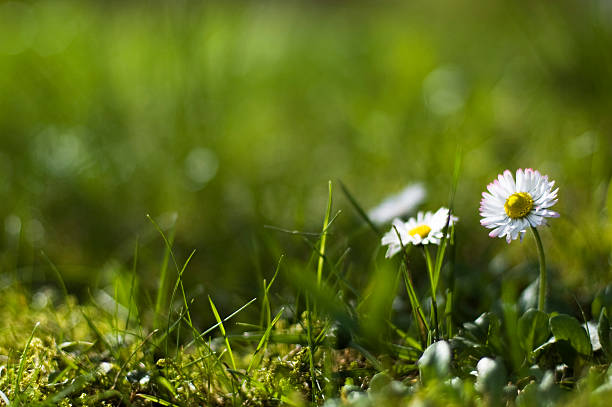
x=325, y=298
x=178, y=269
x=160, y=299
x=125, y=363
x=131, y=299
x=265, y=307
x=415, y=305
x=446, y=233
x=359, y=209
x=419, y=316
x=179, y=283
x=264, y=339
x=433, y=284
x=101, y=338
x=22, y=361
x=311, y=350
x=219, y=323
x=222, y=329
x=324, y=235
x=57, y=273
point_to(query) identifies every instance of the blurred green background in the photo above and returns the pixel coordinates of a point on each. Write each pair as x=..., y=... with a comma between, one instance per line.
x=222, y=117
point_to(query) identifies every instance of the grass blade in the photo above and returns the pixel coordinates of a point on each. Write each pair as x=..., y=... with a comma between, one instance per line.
x=233, y=314
x=57, y=274
x=23, y=360
x=157, y=400
x=359, y=209
x=132, y=284
x=160, y=299
x=419, y=316
x=222, y=329
x=265, y=307
x=324, y=235
x=265, y=337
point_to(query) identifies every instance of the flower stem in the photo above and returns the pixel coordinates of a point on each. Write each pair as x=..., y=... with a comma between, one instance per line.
x=543, y=276
x=434, y=303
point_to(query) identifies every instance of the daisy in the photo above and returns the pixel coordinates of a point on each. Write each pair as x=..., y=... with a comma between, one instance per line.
x=425, y=229
x=399, y=204
x=510, y=208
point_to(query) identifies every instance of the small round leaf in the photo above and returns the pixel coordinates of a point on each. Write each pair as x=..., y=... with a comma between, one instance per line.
x=565, y=327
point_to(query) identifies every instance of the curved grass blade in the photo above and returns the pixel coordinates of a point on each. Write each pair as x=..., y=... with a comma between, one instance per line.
x=23, y=359
x=222, y=329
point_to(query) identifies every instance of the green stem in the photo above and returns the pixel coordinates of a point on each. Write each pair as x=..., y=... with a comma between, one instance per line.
x=543, y=276
x=434, y=303
x=419, y=316
x=324, y=237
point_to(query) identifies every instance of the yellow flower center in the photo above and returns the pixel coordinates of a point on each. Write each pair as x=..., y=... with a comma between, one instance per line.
x=518, y=205
x=422, y=231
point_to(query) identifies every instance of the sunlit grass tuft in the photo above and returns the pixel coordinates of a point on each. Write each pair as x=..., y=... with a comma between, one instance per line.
x=316, y=336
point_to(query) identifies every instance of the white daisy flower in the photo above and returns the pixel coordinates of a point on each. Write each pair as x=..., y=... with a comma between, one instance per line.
x=399, y=204
x=426, y=228
x=510, y=207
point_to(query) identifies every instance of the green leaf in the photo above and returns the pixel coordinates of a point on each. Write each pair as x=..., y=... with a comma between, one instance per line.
x=565, y=327
x=435, y=361
x=603, y=330
x=533, y=329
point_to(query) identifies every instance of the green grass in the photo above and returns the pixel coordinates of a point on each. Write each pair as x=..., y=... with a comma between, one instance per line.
x=330, y=342
x=236, y=116
x=248, y=284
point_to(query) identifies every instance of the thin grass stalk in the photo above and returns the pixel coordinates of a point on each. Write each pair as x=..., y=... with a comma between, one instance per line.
x=263, y=342
x=359, y=209
x=419, y=316
x=450, y=299
x=310, y=347
x=266, y=313
x=434, y=303
x=22, y=362
x=448, y=312
x=179, y=270
x=223, y=332
x=131, y=299
x=324, y=236
x=60, y=279
x=160, y=300
x=449, y=238
x=543, y=277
